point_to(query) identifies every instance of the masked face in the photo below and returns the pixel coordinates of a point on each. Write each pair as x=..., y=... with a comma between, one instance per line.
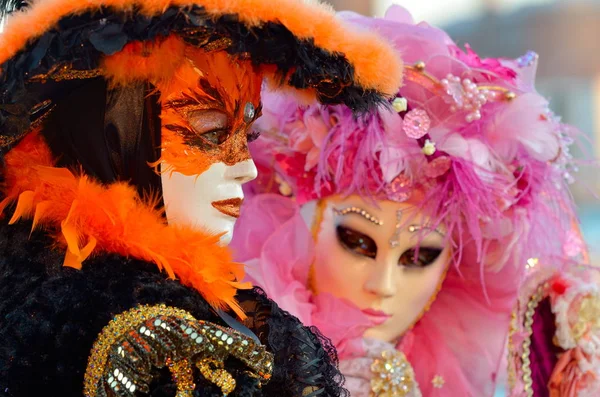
x=207, y=112
x=363, y=257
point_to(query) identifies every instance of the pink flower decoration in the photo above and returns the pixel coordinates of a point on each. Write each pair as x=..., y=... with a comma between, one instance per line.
x=307, y=131
x=416, y=123
x=438, y=167
x=490, y=64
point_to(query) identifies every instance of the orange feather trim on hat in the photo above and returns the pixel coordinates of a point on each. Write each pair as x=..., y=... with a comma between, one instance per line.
x=376, y=64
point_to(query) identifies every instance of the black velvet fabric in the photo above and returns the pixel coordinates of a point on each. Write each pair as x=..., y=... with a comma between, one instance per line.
x=51, y=315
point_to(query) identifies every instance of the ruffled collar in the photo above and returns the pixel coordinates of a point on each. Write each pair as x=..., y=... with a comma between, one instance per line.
x=86, y=218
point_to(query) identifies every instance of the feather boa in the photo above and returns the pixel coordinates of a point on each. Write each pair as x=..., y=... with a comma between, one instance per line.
x=88, y=218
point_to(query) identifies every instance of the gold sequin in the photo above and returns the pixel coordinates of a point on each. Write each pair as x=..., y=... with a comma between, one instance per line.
x=393, y=375
x=158, y=336
x=181, y=371
x=213, y=371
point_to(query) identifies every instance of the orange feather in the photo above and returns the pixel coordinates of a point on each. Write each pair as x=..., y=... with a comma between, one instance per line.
x=376, y=64
x=88, y=218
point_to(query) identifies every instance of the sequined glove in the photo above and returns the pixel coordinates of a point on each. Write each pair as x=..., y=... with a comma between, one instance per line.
x=383, y=371
x=149, y=337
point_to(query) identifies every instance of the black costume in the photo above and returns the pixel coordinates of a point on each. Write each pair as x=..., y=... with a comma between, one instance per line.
x=51, y=315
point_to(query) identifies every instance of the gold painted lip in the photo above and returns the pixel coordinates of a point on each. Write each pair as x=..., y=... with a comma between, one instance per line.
x=230, y=207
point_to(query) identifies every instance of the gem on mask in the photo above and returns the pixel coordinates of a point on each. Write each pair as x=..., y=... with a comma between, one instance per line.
x=249, y=112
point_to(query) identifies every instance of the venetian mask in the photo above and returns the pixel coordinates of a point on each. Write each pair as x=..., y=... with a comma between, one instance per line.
x=384, y=257
x=207, y=112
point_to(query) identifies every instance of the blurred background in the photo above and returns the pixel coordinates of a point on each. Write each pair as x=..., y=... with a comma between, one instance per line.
x=566, y=35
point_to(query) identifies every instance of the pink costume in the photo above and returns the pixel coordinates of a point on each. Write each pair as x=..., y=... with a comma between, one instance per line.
x=493, y=164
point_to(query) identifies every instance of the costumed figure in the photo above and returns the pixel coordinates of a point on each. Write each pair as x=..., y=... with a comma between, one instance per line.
x=554, y=338
x=404, y=235
x=124, y=131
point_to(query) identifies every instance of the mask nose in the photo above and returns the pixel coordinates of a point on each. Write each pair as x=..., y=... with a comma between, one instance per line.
x=382, y=280
x=242, y=172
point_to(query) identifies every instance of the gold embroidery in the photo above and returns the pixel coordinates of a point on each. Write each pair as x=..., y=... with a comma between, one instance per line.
x=66, y=72
x=512, y=370
x=213, y=370
x=181, y=371
x=393, y=375
x=158, y=336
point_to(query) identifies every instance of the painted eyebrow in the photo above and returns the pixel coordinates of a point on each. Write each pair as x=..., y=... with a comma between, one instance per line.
x=416, y=228
x=359, y=211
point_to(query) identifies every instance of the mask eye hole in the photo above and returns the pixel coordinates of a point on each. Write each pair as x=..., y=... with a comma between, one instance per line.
x=216, y=137
x=426, y=256
x=356, y=242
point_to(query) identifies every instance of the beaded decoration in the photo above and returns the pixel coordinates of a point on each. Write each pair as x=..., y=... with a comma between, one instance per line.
x=361, y=212
x=135, y=341
x=393, y=376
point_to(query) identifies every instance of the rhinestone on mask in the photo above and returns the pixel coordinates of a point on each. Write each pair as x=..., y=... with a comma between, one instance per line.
x=393, y=376
x=394, y=240
x=249, y=112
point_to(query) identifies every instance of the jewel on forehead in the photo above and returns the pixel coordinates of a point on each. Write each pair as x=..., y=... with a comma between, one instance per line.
x=416, y=228
x=249, y=112
x=395, y=240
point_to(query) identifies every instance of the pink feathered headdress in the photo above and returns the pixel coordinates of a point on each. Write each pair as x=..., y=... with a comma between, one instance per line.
x=492, y=161
x=472, y=134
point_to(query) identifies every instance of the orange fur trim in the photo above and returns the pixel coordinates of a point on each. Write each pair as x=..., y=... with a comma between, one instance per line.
x=377, y=65
x=91, y=218
x=145, y=61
